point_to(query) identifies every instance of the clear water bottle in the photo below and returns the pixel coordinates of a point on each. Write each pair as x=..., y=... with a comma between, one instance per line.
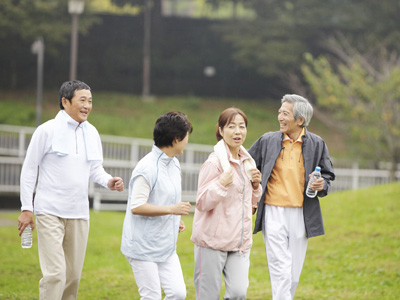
x=26, y=237
x=314, y=175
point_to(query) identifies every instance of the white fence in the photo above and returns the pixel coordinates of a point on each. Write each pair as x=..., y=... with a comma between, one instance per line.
x=121, y=155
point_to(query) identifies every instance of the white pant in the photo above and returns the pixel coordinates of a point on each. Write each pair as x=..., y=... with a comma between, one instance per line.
x=209, y=266
x=152, y=276
x=286, y=245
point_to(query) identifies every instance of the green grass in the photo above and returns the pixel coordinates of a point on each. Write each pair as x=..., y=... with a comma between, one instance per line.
x=127, y=115
x=358, y=258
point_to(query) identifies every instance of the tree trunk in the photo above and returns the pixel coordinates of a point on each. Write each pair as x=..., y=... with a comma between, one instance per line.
x=395, y=163
x=14, y=72
x=146, y=51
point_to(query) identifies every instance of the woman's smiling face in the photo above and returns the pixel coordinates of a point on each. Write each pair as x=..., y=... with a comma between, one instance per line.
x=234, y=132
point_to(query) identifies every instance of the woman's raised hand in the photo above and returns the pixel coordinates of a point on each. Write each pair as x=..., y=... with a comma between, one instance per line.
x=226, y=178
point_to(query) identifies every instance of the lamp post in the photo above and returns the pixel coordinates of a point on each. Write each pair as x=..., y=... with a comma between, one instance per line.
x=38, y=49
x=146, y=52
x=75, y=8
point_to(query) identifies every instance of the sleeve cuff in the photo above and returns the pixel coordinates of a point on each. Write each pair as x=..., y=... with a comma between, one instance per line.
x=29, y=208
x=106, y=180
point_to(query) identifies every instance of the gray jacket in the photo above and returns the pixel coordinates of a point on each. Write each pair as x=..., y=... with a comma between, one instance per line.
x=265, y=152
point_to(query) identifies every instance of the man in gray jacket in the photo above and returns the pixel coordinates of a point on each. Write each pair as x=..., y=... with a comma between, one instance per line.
x=286, y=216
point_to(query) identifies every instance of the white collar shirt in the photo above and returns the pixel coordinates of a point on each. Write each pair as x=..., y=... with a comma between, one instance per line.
x=62, y=181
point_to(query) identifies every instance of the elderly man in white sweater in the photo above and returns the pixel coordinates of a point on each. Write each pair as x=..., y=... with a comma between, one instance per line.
x=64, y=153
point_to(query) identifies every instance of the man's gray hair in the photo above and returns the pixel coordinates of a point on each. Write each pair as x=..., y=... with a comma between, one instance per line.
x=301, y=108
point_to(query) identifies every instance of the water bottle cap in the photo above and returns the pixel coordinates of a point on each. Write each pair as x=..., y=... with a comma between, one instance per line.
x=318, y=169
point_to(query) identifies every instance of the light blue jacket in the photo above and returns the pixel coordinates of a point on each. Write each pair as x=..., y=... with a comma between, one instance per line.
x=154, y=238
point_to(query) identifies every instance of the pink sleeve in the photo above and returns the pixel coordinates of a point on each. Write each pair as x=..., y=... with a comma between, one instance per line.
x=256, y=196
x=210, y=192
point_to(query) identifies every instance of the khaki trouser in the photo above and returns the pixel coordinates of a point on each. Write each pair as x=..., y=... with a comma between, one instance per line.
x=62, y=246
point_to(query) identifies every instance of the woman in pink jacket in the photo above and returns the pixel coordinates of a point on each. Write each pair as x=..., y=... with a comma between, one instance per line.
x=228, y=192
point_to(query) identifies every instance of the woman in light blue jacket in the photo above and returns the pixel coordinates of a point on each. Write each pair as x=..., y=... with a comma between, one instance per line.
x=153, y=214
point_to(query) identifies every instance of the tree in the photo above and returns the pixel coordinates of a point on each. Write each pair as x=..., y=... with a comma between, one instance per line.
x=29, y=19
x=23, y=21
x=274, y=41
x=149, y=9
x=362, y=91
x=216, y=5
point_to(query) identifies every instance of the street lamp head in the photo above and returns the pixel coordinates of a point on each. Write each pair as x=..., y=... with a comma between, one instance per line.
x=209, y=71
x=38, y=46
x=76, y=6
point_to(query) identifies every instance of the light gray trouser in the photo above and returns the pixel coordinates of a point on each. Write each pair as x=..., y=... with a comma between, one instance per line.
x=208, y=269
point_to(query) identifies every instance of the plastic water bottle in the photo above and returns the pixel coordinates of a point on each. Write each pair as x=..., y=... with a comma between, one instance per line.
x=314, y=175
x=26, y=237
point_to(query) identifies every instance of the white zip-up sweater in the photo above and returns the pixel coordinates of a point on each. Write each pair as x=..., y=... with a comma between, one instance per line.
x=154, y=238
x=63, y=181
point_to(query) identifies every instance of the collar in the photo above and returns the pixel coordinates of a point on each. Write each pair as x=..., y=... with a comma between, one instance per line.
x=224, y=156
x=161, y=156
x=242, y=154
x=71, y=121
x=299, y=139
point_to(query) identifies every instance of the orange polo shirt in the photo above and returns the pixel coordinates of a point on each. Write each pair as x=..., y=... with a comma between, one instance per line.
x=286, y=184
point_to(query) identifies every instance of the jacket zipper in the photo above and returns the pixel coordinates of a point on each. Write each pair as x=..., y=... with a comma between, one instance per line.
x=167, y=167
x=244, y=194
x=76, y=140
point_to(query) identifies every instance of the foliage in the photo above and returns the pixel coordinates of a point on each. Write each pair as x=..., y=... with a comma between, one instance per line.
x=109, y=7
x=274, y=41
x=227, y=9
x=30, y=19
x=363, y=93
x=24, y=21
x=358, y=258
x=140, y=6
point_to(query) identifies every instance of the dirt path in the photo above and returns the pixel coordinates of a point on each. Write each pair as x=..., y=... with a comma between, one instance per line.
x=6, y=221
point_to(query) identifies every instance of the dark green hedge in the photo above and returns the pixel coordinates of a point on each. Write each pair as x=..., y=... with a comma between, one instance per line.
x=110, y=58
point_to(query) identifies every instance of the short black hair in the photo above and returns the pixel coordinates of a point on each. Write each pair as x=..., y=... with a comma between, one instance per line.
x=68, y=88
x=170, y=126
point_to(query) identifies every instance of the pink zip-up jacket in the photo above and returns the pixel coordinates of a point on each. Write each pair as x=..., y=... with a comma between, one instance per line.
x=223, y=215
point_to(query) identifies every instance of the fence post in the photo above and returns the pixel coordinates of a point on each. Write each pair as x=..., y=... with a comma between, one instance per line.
x=355, y=176
x=97, y=201
x=189, y=157
x=91, y=189
x=21, y=143
x=134, y=152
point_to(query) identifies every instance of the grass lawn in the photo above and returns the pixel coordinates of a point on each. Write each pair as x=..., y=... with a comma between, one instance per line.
x=127, y=115
x=358, y=258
